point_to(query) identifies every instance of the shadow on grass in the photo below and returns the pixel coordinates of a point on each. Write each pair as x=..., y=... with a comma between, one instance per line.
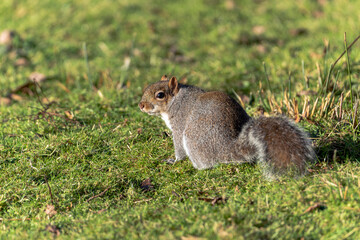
x=338, y=149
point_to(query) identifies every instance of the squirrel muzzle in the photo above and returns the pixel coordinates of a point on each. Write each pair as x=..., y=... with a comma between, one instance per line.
x=148, y=108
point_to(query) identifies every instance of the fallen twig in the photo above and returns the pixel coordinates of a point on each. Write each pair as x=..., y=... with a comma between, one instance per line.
x=51, y=195
x=214, y=200
x=144, y=200
x=32, y=165
x=99, y=195
x=316, y=206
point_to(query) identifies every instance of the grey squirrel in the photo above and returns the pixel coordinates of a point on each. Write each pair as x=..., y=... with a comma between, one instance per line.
x=212, y=128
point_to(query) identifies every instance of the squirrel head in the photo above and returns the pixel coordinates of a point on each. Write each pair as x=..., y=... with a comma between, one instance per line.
x=157, y=96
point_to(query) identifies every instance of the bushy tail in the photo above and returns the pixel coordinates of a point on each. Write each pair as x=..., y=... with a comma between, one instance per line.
x=277, y=144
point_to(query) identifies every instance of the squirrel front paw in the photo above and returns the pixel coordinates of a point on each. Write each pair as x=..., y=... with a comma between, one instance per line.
x=169, y=161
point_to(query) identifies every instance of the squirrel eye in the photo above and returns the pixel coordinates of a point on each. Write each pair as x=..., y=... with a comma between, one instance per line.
x=160, y=95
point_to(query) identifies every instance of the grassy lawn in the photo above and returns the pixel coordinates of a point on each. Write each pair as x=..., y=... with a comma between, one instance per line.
x=78, y=160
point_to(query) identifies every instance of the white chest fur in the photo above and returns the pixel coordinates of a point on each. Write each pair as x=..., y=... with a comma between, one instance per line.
x=165, y=117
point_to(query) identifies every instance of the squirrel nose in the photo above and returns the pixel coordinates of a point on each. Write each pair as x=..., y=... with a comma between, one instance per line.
x=141, y=105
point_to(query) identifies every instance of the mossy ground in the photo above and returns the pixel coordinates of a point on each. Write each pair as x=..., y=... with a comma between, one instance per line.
x=78, y=141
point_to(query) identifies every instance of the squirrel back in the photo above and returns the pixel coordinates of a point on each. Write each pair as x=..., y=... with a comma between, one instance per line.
x=212, y=128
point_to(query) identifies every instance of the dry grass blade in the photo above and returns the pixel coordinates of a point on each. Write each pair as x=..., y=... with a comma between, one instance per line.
x=296, y=110
x=239, y=98
x=306, y=108
x=355, y=115
x=314, y=107
x=341, y=106
x=319, y=74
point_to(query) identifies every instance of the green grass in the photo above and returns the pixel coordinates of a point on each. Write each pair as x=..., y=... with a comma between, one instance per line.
x=265, y=50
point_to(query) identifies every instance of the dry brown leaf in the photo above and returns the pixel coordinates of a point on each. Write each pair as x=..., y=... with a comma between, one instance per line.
x=7, y=36
x=24, y=88
x=146, y=185
x=222, y=232
x=229, y=4
x=101, y=211
x=322, y=2
x=16, y=97
x=137, y=52
x=69, y=115
x=45, y=100
x=5, y=101
x=218, y=200
x=63, y=87
x=184, y=79
x=315, y=55
x=298, y=31
x=21, y=62
x=316, y=206
x=37, y=77
x=214, y=200
x=318, y=14
x=50, y=210
x=13, y=55
x=206, y=199
x=258, y=30
x=260, y=48
x=53, y=229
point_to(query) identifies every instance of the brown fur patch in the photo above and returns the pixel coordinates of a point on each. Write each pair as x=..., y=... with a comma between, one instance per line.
x=285, y=145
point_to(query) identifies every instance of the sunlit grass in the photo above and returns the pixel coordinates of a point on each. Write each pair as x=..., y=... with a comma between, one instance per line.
x=78, y=142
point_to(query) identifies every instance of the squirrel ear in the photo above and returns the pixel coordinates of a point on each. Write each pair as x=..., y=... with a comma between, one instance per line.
x=164, y=78
x=173, y=85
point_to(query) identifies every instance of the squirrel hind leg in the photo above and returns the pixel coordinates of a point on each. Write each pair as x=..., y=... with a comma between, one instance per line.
x=197, y=153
